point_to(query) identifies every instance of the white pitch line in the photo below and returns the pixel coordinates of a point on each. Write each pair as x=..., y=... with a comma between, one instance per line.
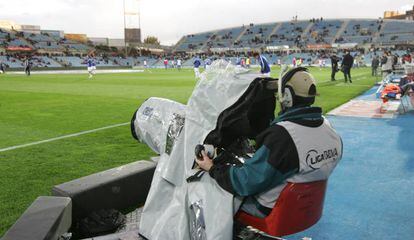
x=62, y=137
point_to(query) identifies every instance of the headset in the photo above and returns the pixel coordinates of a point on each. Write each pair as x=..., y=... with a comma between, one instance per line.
x=286, y=93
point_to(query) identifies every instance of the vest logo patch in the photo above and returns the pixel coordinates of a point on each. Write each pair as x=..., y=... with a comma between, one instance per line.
x=315, y=160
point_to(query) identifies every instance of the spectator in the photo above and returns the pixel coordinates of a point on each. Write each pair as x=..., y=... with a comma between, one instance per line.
x=388, y=65
x=374, y=65
x=394, y=61
x=248, y=62
x=347, y=63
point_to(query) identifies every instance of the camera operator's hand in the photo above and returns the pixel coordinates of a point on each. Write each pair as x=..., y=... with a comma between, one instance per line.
x=205, y=163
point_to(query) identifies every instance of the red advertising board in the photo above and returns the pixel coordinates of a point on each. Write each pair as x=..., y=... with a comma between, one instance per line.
x=19, y=49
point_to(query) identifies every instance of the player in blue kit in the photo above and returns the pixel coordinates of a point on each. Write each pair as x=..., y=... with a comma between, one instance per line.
x=264, y=64
x=197, y=64
x=91, y=65
x=207, y=63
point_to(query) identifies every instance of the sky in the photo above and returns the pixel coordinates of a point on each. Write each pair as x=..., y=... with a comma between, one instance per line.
x=169, y=20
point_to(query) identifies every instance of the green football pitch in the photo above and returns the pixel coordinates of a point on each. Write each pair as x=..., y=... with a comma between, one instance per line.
x=42, y=107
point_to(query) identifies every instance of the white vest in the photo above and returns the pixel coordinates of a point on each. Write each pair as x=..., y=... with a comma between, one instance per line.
x=319, y=150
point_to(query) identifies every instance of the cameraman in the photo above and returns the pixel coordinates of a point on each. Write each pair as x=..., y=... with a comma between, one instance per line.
x=286, y=151
x=334, y=65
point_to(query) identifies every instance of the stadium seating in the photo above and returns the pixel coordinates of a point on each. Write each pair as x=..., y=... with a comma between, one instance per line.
x=226, y=37
x=18, y=43
x=77, y=47
x=104, y=62
x=288, y=32
x=297, y=33
x=150, y=61
x=49, y=46
x=398, y=26
x=359, y=31
x=130, y=61
x=4, y=34
x=41, y=42
x=302, y=34
x=43, y=61
x=38, y=37
x=11, y=62
x=256, y=35
x=397, y=31
x=194, y=41
x=72, y=61
x=323, y=31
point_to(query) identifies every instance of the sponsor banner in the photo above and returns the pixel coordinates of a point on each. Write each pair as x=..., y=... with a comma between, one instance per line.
x=219, y=49
x=77, y=37
x=241, y=49
x=344, y=45
x=156, y=50
x=319, y=46
x=281, y=47
x=19, y=49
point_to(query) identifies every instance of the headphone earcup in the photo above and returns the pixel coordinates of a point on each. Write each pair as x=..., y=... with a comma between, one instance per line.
x=287, y=100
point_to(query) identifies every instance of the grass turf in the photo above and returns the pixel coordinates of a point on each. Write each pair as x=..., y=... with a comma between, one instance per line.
x=46, y=106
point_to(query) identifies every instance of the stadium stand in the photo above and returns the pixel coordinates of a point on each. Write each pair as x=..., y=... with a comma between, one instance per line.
x=289, y=33
x=17, y=42
x=300, y=33
x=71, y=61
x=396, y=31
x=44, y=61
x=105, y=62
x=122, y=61
x=11, y=62
x=322, y=31
x=38, y=37
x=49, y=46
x=255, y=35
x=310, y=40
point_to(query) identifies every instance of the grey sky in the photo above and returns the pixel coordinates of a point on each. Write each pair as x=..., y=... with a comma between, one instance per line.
x=171, y=19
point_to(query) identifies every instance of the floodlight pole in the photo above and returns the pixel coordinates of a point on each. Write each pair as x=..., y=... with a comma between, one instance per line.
x=125, y=43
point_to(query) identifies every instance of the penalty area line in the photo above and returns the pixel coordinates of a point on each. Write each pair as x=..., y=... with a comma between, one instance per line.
x=62, y=137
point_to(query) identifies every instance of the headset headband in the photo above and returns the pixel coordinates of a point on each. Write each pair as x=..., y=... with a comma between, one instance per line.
x=290, y=74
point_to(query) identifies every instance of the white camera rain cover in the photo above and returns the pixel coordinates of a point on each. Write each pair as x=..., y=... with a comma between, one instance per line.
x=158, y=122
x=175, y=209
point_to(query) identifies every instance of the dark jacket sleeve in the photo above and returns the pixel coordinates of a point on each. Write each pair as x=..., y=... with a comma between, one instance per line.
x=274, y=161
x=348, y=61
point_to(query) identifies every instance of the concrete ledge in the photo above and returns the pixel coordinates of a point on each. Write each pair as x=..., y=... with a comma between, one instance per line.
x=118, y=188
x=47, y=218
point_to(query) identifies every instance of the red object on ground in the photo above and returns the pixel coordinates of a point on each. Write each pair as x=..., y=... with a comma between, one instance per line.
x=390, y=88
x=298, y=207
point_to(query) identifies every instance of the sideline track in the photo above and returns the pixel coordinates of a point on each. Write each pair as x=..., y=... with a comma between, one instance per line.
x=369, y=195
x=62, y=137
